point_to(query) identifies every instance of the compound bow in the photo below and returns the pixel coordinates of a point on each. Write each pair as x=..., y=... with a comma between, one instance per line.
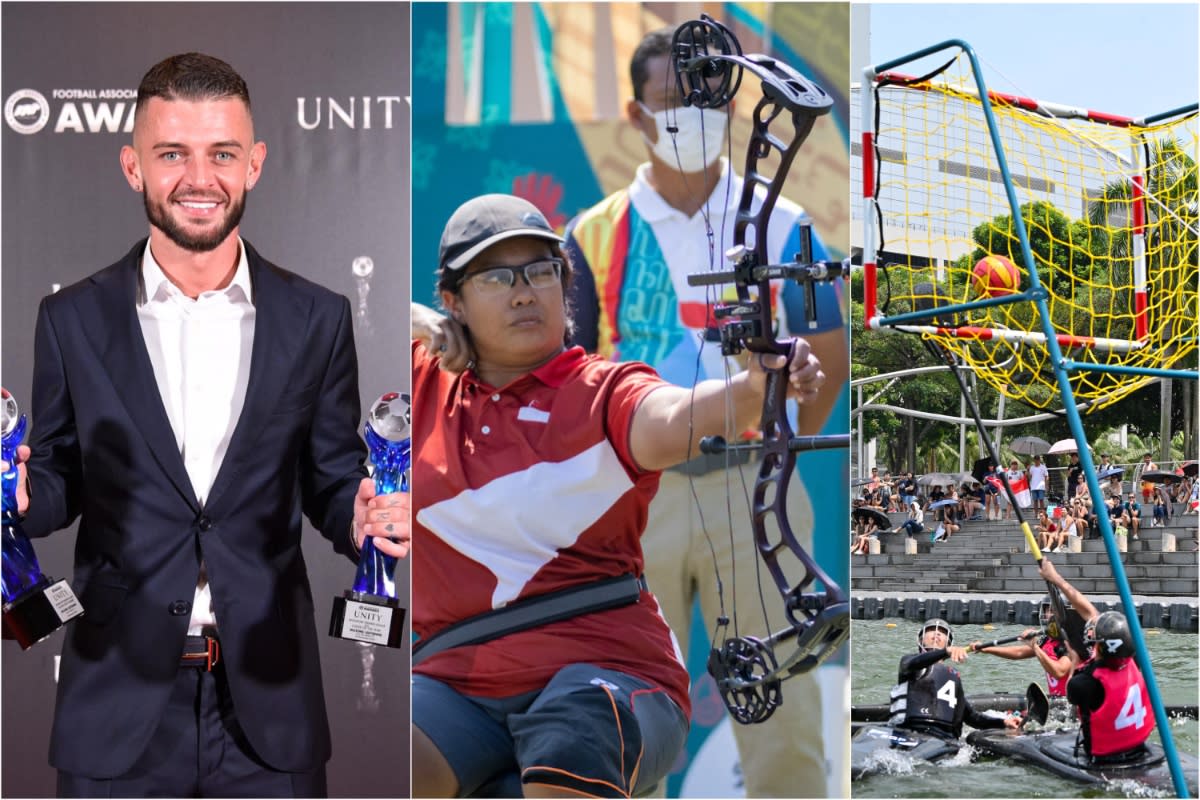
x=708, y=64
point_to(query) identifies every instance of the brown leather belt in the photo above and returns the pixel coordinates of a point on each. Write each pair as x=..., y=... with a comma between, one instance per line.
x=200, y=651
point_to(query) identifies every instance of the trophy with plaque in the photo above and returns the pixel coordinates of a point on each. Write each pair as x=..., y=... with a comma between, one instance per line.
x=370, y=612
x=35, y=606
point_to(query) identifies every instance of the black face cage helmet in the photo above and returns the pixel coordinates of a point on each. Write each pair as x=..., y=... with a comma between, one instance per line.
x=930, y=624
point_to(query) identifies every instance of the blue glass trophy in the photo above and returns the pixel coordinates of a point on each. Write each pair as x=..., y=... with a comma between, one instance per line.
x=35, y=606
x=370, y=612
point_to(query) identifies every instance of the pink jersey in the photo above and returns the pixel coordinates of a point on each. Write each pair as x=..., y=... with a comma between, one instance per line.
x=1125, y=719
x=1055, y=687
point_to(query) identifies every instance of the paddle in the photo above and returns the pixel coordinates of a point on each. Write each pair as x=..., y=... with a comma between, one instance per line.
x=1056, y=601
x=1072, y=631
x=880, y=712
x=1037, y=705
x=975, y=647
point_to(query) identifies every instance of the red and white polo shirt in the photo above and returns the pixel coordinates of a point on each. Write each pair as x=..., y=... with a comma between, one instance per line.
x=528, y=489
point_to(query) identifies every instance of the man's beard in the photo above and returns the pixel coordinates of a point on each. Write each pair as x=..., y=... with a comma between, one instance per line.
x=197, y=243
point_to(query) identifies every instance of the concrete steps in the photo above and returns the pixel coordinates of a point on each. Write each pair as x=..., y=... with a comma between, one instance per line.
x=990, y=556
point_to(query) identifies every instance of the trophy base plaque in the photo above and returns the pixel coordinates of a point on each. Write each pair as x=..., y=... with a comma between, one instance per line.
x=40, y=612
x=363, y=617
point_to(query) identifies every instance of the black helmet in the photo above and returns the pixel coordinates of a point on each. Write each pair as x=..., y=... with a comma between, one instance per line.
x=1045, y=609
x=1111, y=633
x=931, y=624
x=1046, y=616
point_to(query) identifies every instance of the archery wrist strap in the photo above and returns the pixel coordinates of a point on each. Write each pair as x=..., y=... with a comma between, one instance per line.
x=533, y=612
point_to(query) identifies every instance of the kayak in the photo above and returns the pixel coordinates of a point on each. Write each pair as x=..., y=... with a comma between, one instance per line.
x=875, y=747
x=992, y=701
x=1055, y=752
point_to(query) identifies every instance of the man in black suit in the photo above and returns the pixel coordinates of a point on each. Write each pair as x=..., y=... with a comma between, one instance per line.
x=189, y=403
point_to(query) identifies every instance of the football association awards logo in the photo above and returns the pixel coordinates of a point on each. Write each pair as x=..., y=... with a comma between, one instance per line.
x=26, y=111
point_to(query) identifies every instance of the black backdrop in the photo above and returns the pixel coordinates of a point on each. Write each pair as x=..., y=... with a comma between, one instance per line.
x=328, y=83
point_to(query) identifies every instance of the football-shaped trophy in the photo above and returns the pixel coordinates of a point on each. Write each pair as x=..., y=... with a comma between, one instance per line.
x=35, y=606
x=370, y=611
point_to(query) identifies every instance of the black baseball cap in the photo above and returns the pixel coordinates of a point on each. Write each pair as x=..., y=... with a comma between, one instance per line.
x=481, y=222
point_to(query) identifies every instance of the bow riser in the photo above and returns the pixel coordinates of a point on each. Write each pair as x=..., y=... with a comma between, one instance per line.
x=708, y=65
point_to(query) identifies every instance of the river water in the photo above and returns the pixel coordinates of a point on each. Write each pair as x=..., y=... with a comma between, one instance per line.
x=875, y=654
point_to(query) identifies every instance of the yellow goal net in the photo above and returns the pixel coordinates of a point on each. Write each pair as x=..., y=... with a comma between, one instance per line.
x=1109, y=204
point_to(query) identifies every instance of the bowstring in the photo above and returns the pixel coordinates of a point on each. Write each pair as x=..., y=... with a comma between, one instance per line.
x=713, y=296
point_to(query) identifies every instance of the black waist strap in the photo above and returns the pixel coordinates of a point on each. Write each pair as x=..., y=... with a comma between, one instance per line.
x=544, y=609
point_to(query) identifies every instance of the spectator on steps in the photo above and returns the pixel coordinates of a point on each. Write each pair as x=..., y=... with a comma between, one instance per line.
x=1147, y=487
x=1012, y=475
x=1039, y=479
x=968, y=503
x=907, y=489
x=992, y=491
x=1073, y=473
x=867, y=529
x=1085, y=519
x=1050, y=536
x=948, y=525
x=1082, y=492
x=887, y=493
x=1162, y=508
x=935, y=493
x=1113, y=487
x=1132, y=512
x=1069, y=526
x=915, y=524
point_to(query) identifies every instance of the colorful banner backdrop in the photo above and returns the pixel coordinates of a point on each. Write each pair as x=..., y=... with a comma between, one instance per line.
x=528, y=99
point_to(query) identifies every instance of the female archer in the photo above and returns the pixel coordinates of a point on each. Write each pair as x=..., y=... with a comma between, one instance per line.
x=551, y=663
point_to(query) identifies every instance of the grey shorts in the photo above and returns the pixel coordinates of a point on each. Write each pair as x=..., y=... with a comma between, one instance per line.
x=591, y=730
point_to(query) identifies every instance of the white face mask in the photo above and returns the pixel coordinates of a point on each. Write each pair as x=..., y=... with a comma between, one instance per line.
x=698, y=145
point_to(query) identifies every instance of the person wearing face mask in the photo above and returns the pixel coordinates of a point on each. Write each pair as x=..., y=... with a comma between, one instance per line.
x=633, y=252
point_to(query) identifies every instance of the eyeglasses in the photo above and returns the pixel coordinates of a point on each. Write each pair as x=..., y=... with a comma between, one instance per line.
x=540, y=274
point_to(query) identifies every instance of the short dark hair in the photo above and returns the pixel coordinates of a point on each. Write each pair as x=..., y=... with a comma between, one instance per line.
x=192, y=76
x=654, y=44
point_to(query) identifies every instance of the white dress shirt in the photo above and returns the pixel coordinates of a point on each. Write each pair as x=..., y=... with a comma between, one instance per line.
x=200, y=350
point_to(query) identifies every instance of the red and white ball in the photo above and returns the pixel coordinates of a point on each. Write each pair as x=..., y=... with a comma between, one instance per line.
x=995, y=276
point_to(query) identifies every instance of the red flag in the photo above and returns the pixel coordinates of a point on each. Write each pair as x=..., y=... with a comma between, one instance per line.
x=1020, y=488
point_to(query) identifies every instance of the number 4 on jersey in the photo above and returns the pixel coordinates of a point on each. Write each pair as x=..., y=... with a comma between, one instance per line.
x=947, y=693
x=1133, y=712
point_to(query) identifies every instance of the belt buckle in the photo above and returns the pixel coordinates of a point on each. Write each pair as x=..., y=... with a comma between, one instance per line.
x=211, y=654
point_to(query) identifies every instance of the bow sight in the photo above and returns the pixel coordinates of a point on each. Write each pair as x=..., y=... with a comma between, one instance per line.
x=708, y=63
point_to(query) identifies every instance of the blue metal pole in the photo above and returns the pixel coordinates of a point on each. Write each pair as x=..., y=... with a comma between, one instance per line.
x=1038, y=296
x=1076, y=424
x=941, y=311
x=1153, y=372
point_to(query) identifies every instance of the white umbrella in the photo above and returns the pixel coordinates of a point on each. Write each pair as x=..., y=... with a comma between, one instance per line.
x=1063, y=446
x=935, y=479
x=1029, y=446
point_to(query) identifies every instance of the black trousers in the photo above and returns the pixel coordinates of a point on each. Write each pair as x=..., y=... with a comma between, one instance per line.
x=198, y=750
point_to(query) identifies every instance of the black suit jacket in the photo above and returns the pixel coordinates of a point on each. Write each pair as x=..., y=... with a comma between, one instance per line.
x=103, y=450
